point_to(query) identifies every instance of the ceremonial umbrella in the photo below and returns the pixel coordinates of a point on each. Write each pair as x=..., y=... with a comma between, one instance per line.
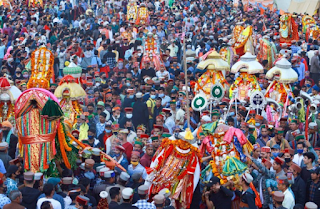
x=248, y=64
x=282, y=72
x=68, y=83
x=214, y=62
x=72, y=69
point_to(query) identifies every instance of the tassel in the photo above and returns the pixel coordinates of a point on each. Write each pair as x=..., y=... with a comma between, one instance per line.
x=189, y=135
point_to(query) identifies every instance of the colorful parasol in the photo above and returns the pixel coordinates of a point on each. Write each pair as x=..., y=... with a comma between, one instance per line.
x=69, y=83
x=282, y=72
x=72, y=69
x=248, y=64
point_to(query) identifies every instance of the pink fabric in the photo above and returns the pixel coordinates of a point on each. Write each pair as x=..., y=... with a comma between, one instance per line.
x=269, y=115
x=8, y=53
x=205, y=145
x=228, y=137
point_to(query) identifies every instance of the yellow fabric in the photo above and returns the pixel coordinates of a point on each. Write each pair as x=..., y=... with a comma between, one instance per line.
x=83, y=131
x=151, y=103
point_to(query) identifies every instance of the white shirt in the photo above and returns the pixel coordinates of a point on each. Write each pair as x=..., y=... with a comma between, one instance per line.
x=55, y=203
x=170, y=124
x=162, y=75
x=297, y=159
x=288, y=201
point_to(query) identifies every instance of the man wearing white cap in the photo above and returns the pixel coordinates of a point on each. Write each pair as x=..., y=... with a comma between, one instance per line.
x=127, y=195
x=313, y=134
x=143, y=194
x=247, y=196
x=108, y=178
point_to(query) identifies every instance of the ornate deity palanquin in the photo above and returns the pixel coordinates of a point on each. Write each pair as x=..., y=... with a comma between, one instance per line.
x=288, y=29
x=132, y=11
x=143, y=15
x=267, y=51
x=243, y=41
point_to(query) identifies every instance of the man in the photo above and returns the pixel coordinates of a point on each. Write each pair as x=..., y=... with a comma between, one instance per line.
x=247, y=196
x=82, y=127
x=277, y=163
x=139, y=113
x=142, y=203
x=169, y=122
x=159, y=202
x=29, y=194
x=10, y=138
x=313, y=135
x=278, y=198
x=298, y=158
x=218, y=196
x=48, y=190
x=155, y=142
x=128, y=100
x=283, y=185
x=151, y=103
x=128, y=116
x=120, y=158
x=3, y=197
x=146, y=159
x=135, y=166
x=313, y=192
x=105, y=134
x=127, y=199
x=308, y=159
x=123, y=134
x=299, y=186
x=264, y=137
x=92, y=141
x=15, y=197
x=108, y=179
x=113, y=140
x=266, y=153
x=278, y=139
x=114, y=194
x=123, y=180
x=4, y=154
x=294, y=127
x=164, y=98
x=101, y=125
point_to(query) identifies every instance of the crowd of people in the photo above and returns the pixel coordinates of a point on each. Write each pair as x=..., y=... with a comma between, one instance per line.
x=131, y=107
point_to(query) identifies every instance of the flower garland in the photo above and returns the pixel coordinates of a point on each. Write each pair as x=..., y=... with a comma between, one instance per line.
x=76, y=106
x=63, y=146
x=182, y=145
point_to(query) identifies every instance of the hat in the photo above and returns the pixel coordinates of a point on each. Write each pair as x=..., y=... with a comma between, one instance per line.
x=120, y=148
x=166, y=110
x=295, y=167
x=256, y=146
x=3, y=146
x=124, y=131
x=89, y=162
x=138, y=95
x=28, y=176
x=82, y=200
x=313, y=125
x=310, y=205
x=295, y=121
x=278, y=196
x=279, y=160
x=159, y=199
x=136, y=176
x=213, y=181
x=38, y=176
x=279, y=130
x=258, y=117
x=67, y=180
x=104, y=194
x=136, y=153
x=144, y=136
x=154, y=137
x=266, y=162
x=165, y=192
x=14, y=161
x=276, y=146
x=98, y=168
x=127, y=193
x=54, y=181
x=251, y=128
x=284, y=119
x=282, y=179
x=124, y=176
x=206, y=118
x=143, y=189
x=100, y=103
x=96, y=151
x=103, y=170
x=265, y=149
x=6, y=124
x=288, y=150
x=109, y=174
x=247, y=177
x=299, y=136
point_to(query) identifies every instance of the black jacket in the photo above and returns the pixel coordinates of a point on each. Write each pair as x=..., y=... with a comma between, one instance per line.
x=316, y=198
x=126, y=206
x=29, y=197
x=221, y=199
x=248, y=197
x=113, y=205
x=299, y=190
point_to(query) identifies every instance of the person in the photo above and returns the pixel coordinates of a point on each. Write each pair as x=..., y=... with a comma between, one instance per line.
x=16, y=198
x=146, y=159
x=217, y=196
x=29, y=194
x=9, y=137
x=142, y=203
x=247, y=196
x=11, y=183
x=47, y=205
x=127, y=199
x=298, y=158
x=299, y=186
x=115, y=197
x=283, y=186
x=139, y=115
x=4, y=154
x=313, y=192
x=159, y=201
x=48, y=190
x=108, y=178
x=135, y=166
x=4, y=200
x=308, y=159
x=278, y=198
x=120, y=157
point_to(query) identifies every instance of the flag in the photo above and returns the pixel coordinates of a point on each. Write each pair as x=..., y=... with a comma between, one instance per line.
x=261, y=11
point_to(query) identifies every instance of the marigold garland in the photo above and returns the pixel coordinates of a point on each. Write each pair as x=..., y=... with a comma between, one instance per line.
x=62, y=142
x=182, y=145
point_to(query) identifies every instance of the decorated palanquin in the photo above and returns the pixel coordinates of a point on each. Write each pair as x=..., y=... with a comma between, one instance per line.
x=8, y=95
x=267, y=51
x=41, y=134
x=246, y=82
x=279, y=89
x=216, y=68
x=69, y=92
x=312, y=32
x=227, y=54
x=143, y=15
x=42, y=61
x=5, y=4
x=227, y=146
x=288, y=29
x=243, y=41
x=307, y=21
x=151, y=53
x=132, y=11
x=151, y=44
x=176, y=166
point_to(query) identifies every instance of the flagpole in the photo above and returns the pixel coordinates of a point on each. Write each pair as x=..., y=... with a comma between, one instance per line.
x=185, y=74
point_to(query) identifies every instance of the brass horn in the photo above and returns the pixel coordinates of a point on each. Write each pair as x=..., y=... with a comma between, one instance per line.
x=313, y=108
